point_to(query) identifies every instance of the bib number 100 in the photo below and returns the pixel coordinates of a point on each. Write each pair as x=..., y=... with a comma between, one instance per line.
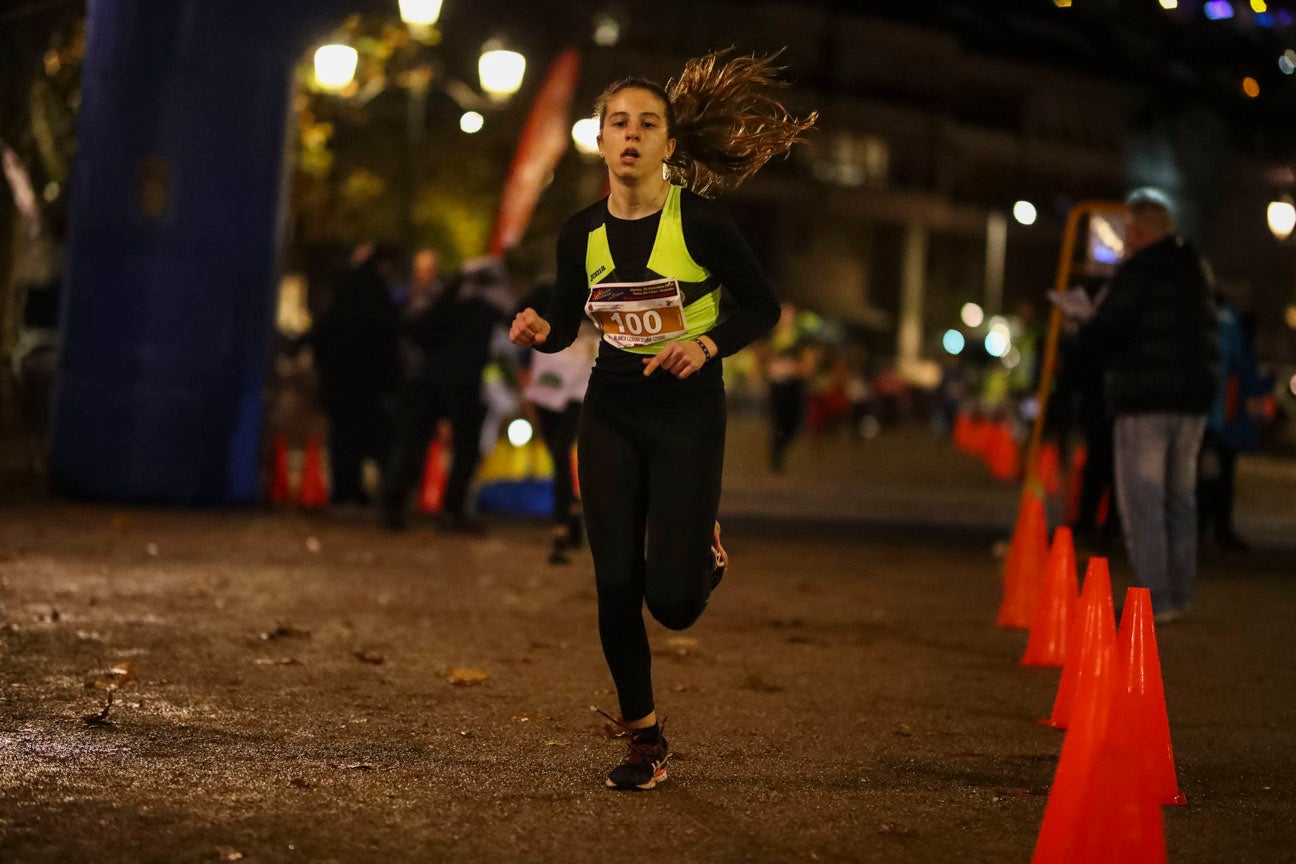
x=636, y=323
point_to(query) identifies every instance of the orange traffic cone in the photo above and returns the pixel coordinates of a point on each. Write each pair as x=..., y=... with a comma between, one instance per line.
x=963, y=432
x=1066, y=815
x=1141, y=676
x=280, y=489
x=1049, y=469
x=1121, y=821
x=314, y=489
x=1057, y=604
x=983, y=439
x=1024, y=567
x=1094, y=628
x=432, y=489
x=1005, y=454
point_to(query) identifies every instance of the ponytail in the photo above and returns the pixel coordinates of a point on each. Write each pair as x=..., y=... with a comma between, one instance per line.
x=727, y=121
x=724, y=118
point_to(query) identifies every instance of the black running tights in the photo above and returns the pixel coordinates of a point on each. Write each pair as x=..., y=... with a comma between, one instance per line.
x=650, y=481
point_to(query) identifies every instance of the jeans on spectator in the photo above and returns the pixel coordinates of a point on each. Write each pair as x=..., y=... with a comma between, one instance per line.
x=1156, y=480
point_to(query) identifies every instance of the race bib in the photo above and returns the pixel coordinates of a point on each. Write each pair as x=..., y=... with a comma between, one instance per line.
x=632, y=314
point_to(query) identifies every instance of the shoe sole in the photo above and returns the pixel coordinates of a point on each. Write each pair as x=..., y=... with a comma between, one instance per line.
x=656, y=778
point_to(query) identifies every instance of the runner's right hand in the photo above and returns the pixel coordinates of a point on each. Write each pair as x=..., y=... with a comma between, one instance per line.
x=528, y=329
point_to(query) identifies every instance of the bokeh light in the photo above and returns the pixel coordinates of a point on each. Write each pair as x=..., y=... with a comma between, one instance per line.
x=1024, y=212
x=585, y=134
x=519, y=433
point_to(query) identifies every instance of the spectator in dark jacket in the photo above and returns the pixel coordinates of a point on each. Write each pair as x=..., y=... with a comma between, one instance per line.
x=355, y=355
x=451, y=339
x=1156, y=330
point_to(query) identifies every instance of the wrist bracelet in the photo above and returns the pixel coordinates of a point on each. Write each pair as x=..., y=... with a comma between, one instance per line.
x=705, y=351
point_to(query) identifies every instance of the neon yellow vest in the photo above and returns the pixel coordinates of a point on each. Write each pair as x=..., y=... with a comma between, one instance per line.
x=670, y=259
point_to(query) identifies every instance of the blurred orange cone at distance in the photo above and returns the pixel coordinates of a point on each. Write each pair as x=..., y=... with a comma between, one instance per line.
x=1024, y=566
x=1057, y=605
x=280, y=487
x=432, y=489
x=314, y=489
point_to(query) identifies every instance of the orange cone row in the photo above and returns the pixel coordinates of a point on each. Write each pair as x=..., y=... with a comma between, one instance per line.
x=1116, y=767
x=313, y=491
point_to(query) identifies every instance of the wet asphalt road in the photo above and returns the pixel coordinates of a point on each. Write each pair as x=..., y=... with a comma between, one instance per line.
x=292, y=698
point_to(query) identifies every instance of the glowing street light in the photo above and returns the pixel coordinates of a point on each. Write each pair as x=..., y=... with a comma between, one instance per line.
x=1024, y=212
x=471, y=122
x=1282, y=218
x=420, y=13
x=335, y=66
x=585, y=133
x=500, y=71
x=972, y=314
x=953, y=341
x=1169, y=4
x=997, y=343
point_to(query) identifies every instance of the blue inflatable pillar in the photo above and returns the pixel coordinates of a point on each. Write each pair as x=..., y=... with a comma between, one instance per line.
x=175, y=235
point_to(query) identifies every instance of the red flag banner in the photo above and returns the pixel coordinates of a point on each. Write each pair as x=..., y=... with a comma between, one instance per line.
x=544, y=138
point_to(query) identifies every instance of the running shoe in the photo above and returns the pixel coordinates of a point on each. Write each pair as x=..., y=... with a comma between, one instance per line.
x=644, y=765
x=720, y=557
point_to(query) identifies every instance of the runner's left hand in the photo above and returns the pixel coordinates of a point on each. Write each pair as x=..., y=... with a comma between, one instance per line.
x=681, y=359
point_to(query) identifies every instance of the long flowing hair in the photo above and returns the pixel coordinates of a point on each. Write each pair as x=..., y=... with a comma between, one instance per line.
x=725, y=118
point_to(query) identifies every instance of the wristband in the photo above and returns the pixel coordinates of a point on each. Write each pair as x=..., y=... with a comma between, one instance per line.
x=705, y=351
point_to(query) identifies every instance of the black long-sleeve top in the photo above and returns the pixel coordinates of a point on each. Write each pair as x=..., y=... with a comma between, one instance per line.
x=748, y=309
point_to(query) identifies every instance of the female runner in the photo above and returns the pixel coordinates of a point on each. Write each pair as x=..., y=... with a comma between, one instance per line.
x=647, y=264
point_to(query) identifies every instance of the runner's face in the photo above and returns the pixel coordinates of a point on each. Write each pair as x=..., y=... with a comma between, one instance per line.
x=634, y=139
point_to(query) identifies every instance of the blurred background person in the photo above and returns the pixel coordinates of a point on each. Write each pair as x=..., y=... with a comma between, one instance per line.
x=1080, y=388
x=1156, y=330
x=554, y=387
x=447, y=344
x=789, y=361
x=424, y=282
x=354, y=344
x=1234, y=423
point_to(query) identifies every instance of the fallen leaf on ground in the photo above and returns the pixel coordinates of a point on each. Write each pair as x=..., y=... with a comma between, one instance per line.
x=285, y=631
x=682, y=642
x=228, y=853
x=110, y=680
x=760, y=685
x=462, y=677
x=300, y=783
x=277, y=661
x=359, y=766
x=370, y=657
